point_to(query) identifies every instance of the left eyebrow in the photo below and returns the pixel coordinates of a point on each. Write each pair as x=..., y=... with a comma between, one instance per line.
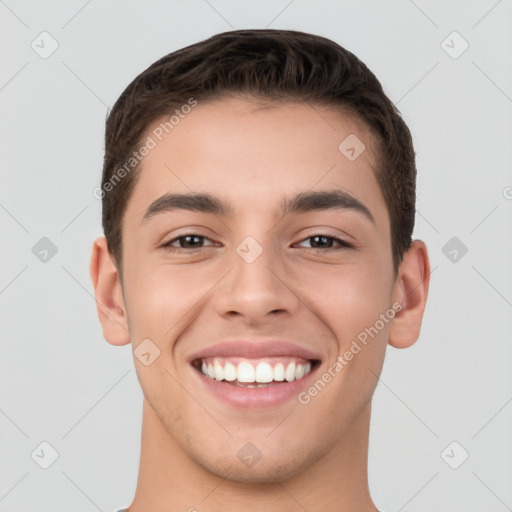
x=301, y=203
x=324, y=200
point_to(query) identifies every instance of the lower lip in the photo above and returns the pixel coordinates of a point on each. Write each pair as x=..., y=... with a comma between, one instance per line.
x=256, y=398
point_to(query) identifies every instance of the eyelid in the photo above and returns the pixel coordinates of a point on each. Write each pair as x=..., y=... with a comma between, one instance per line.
x=184, y=235
x=343, y=244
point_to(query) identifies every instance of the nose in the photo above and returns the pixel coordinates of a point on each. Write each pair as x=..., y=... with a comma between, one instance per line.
x=256, y=291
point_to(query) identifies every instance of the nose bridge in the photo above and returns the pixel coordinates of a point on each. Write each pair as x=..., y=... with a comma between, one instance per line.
x=255, y=286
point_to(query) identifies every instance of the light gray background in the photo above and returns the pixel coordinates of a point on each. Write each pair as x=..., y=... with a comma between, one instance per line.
x=60, y=382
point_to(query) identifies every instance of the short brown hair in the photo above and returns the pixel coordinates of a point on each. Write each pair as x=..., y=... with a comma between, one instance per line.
x=282, y=65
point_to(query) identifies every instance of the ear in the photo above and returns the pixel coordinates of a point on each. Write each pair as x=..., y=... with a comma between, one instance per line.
x=411, y=290
x=109, y=294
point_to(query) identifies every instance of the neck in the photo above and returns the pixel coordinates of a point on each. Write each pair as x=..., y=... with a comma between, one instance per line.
x=170, y=480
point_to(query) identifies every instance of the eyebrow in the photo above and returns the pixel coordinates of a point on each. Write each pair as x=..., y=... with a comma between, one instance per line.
x=301, y=203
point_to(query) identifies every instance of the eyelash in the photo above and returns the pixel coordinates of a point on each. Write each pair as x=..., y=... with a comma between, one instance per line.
x=342, y=243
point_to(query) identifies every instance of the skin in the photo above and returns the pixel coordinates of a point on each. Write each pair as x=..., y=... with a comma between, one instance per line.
x=314, y=456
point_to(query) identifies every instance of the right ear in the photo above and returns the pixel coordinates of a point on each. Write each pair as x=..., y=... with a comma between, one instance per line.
x=109, y=294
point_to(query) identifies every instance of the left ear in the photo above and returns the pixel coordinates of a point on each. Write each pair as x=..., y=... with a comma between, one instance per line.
x=411, y=290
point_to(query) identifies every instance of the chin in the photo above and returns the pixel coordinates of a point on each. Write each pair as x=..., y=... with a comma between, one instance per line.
x=263, y=472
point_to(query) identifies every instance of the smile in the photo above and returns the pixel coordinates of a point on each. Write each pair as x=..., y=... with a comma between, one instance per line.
x=254, y=372
x=255, y=383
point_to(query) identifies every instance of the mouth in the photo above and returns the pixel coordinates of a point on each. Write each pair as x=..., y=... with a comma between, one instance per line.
x=257, y=384
x=255, y=373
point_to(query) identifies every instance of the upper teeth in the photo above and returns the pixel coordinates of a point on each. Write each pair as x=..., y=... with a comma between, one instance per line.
x=262, y=372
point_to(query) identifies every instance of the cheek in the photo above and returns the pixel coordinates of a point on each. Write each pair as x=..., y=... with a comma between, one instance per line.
x=348, y=298
x=160, y=296
x=350, y=302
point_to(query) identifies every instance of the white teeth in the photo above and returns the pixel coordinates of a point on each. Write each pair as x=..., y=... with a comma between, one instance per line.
x=229, y=372
x=279, y=372
x=289, y=373
x=218, y=370
x=264, y=373
x=246, y=373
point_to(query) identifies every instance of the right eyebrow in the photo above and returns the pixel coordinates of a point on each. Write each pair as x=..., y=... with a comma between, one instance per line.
x=205, y=203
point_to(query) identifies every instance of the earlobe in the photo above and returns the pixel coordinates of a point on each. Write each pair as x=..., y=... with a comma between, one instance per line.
x=411, y=290
x=108, y=294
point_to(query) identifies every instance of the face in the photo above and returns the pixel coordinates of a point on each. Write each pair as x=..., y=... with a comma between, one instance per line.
x=244, y=282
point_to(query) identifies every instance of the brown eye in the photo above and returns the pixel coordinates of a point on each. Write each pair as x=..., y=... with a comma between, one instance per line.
x=326, y=242
x=190, y=241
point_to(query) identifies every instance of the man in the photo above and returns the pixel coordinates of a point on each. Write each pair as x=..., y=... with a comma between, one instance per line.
x=258, y=206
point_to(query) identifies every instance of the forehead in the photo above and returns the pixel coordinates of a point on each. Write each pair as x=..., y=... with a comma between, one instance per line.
x=250, y=153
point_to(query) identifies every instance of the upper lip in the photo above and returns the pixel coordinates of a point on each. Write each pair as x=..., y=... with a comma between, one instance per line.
x=254, y=349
